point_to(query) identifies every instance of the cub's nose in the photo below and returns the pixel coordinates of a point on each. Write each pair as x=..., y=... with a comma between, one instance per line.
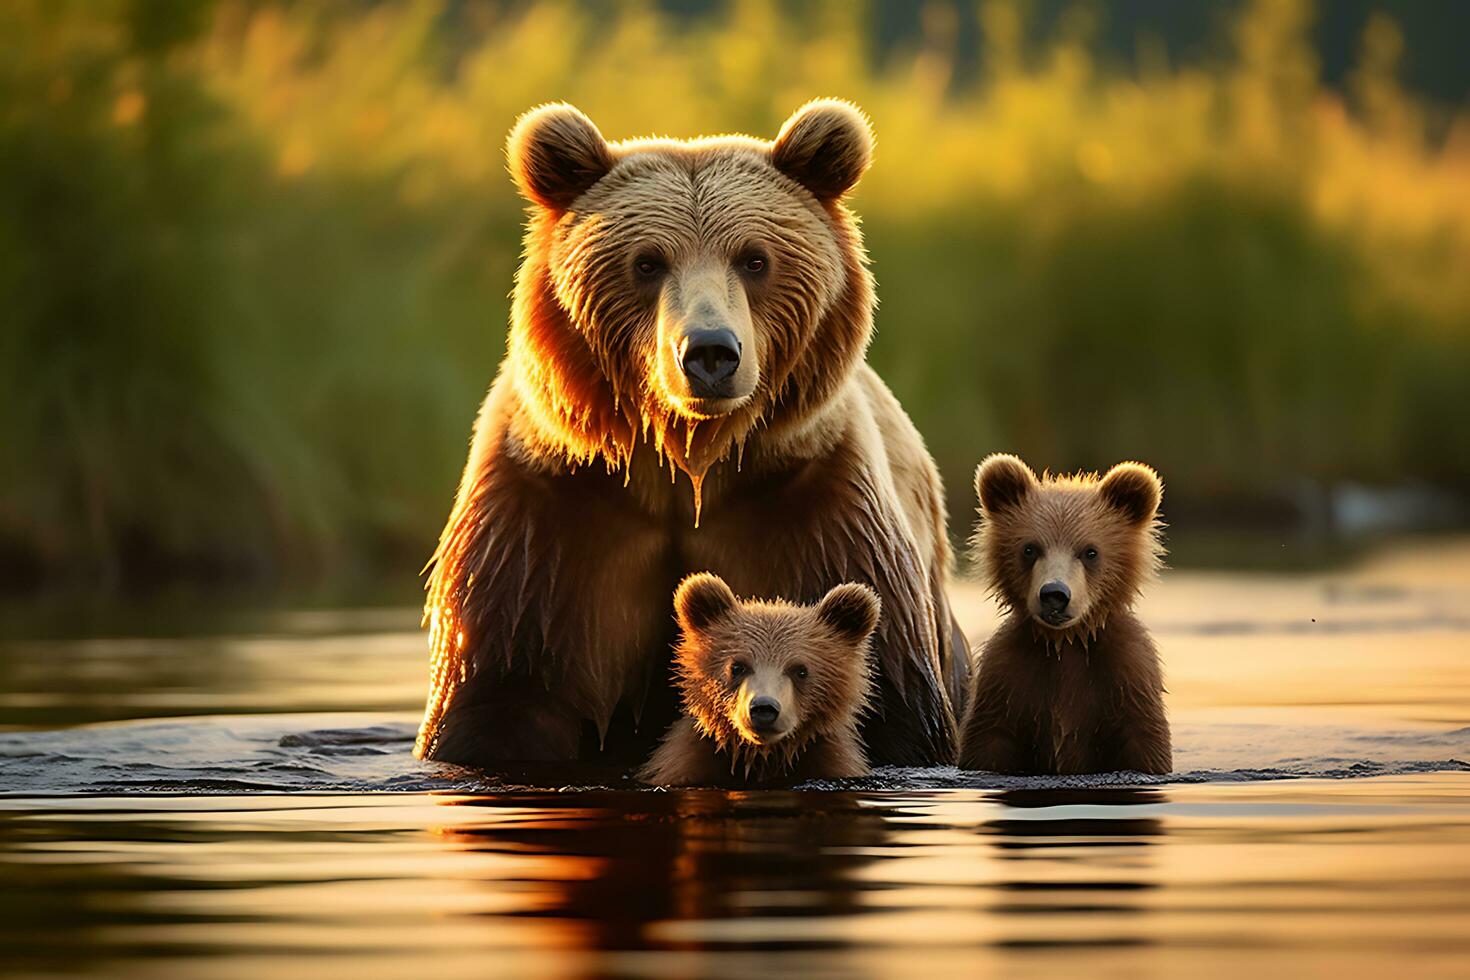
x=710, y=358
x=1055, y=596
x=763, y=713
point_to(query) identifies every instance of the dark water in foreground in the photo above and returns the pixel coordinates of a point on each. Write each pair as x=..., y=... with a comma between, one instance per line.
x=240, y=799
x=1348, y=877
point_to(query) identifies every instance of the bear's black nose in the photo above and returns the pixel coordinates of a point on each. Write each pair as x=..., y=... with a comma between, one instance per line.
x=710, y=358
x=1055, y=596
x=763, y=713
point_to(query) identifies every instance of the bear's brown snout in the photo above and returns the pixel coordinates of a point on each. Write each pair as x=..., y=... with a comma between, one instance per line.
x=763, y=714
x=1054, y=598
x=709, y=362
x=710, y=358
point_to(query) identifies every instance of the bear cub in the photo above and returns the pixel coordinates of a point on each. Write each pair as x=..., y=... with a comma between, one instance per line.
x=772, y=691
x=1070, y=682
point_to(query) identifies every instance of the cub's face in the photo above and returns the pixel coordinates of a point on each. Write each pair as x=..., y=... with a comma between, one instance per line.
x=763, y=672
x=1067, y=550
x=696, y=271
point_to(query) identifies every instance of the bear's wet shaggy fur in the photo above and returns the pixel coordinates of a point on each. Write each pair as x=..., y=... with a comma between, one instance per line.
x=772, y=691
x=1070, y=682
x=621, y=448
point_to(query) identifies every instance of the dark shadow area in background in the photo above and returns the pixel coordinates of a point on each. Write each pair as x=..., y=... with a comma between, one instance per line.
x=1192, y=32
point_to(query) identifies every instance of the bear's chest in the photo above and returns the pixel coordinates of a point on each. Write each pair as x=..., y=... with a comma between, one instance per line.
x=1073, y=710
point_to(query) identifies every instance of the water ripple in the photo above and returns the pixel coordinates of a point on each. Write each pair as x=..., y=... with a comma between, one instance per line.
x=298, y=754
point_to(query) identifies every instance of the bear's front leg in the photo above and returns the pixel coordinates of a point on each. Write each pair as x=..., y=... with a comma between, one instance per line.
x=549, y=614
x=837, y=757
x=506, y=720
x=993, y=749
x=684, y=758
x=1147, y=749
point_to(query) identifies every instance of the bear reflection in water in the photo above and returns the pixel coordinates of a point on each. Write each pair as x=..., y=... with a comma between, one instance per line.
x=697, y=868
x=620, y=860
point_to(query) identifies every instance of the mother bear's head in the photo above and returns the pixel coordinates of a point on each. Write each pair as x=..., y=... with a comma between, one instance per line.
x=686, y=291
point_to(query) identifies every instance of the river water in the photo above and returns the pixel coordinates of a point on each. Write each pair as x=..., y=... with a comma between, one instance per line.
x=195, y=793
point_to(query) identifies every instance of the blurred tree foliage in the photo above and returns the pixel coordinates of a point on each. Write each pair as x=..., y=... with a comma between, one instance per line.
x=254, y=258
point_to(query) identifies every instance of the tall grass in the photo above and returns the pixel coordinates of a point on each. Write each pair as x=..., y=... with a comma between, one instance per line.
x=254, y=267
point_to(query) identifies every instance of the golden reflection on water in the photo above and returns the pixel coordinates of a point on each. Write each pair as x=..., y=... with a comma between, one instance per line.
x=1305, y=876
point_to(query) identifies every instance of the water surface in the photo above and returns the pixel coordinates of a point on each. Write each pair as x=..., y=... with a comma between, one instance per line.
x=238, y=796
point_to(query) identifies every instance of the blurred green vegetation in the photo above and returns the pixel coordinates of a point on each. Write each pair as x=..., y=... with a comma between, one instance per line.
x=254, y=258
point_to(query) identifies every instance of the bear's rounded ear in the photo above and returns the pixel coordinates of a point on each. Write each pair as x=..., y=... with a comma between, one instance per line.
x=701, y=599
x=851, y=610
x=1002, y=481
x=1133, y=489
x=555, y=154
x=825, y=146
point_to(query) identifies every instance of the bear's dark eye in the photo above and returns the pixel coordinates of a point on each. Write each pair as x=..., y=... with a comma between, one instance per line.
x=1090, y=554
x=738, y=669
x=1030, y=553
x=755, y=263
x=799, y=673
x=648, y=266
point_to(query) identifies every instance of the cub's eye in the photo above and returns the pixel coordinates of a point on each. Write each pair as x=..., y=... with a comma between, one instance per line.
x=799, y=673
x=1090, y=554
x=1030, y=552
x=738, y=669
x=754, y=263
x=648, y=267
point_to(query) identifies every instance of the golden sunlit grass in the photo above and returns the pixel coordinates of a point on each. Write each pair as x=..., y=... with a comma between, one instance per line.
x=362, y=97
x=287, y=231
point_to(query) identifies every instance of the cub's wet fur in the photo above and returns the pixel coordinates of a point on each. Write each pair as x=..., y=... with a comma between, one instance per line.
x=1070, y=682
x=772, y=691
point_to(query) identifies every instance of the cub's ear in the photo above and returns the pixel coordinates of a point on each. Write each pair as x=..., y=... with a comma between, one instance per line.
x=1133, y=489
x=701, y=599
x=851, y=610
x=1002, y=481
x=555, y=154
x=825, y=146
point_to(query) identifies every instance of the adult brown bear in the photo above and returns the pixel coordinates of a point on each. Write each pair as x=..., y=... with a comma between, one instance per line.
x=684, y=390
